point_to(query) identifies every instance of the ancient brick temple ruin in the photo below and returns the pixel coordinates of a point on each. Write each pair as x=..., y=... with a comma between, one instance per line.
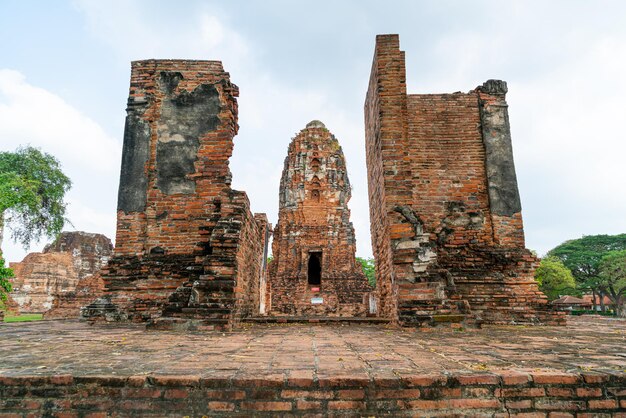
x=446, y=221
x=314, y=271
x=189, y=251
x=43, y=280
x=445, y=211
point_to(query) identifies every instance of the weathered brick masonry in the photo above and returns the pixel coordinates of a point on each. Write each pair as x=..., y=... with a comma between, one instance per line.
x=507, y=394
x=45, y=280
x=314, y=271
x=445, y=212
x=188, y=249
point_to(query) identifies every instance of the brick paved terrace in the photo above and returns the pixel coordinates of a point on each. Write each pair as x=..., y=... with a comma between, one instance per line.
x=54, y=367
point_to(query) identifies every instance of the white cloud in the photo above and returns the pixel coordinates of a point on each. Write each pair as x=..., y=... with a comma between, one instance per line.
x=32, y=115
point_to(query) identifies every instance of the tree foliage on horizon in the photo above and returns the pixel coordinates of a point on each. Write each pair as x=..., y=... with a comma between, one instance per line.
x=32, y=192
x=369, y=269
x=554, y=279
x=583, y=256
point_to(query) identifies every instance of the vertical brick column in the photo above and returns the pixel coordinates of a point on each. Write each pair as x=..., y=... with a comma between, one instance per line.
x=386, y=153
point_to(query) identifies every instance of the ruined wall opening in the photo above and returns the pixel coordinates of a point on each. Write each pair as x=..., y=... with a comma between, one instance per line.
x=315, y=268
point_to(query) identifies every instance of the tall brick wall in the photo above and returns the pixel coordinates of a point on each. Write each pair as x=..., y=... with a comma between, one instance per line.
x=314, y=228
x=183, y=234
x=445, y=212
x=385, y=126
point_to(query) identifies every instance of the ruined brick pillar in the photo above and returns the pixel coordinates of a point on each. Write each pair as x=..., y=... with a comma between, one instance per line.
x=188, y=247
x=445, y=211
x=314, y=271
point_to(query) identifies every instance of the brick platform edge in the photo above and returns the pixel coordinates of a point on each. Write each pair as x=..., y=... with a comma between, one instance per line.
x=501, y=394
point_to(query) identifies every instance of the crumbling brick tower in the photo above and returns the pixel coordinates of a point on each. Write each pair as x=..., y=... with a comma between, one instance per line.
x=314, y=271
x=445, y=211
x=188, y=248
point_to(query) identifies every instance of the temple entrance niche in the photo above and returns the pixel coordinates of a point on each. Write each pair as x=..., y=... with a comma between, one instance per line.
x=315, y=268
x=314, y=271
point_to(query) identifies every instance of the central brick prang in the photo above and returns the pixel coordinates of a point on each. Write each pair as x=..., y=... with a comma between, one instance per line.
x=314, y=271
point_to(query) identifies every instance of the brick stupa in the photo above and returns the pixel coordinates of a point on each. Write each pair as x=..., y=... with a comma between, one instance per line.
x=314, y=272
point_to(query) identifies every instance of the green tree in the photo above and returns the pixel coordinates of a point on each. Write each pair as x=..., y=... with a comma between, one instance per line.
x=583, y=255
x=369, y=269
x=5, y=284
x=555, y=280
x=32, y=189
x=612, y=279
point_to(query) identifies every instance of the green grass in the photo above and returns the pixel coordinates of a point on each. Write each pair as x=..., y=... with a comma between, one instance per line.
x=23, y=318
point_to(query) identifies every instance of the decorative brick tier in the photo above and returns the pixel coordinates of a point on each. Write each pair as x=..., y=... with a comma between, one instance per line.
x=445, y=211
x=189, y=251
x=508, y=394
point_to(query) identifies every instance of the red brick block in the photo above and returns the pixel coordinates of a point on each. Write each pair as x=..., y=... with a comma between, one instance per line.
x=266, y=406
x=343, y=381
x=142, y=393
x=478, y=392
x=510, y=378
x=275, y=380
x=220, y=406
x=62, y=380
x=351, y=394
x=478, y=379
x=306, y=394
x=176, y=394
x=521, y=404
x=555, y=378
x=300, y=378
x=588, y=392
x=553, y=404
x=595, y=377
x=427, y=404
x=136, y=381
x=425, y=380
x=228, y=395
x=343, y=405
x=520, y=392
x=472, y=403
x=560, y=392
x=397, y=394
x=173, y=381
x=602, y=404
x=308, y=405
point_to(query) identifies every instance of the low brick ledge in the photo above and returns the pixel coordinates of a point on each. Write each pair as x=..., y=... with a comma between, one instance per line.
x=501, y=394
x=316, y=320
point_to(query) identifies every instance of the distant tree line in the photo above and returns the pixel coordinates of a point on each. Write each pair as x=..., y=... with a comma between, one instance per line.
x=594, y=264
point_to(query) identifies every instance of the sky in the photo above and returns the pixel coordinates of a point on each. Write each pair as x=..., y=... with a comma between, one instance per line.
x=65, y=68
